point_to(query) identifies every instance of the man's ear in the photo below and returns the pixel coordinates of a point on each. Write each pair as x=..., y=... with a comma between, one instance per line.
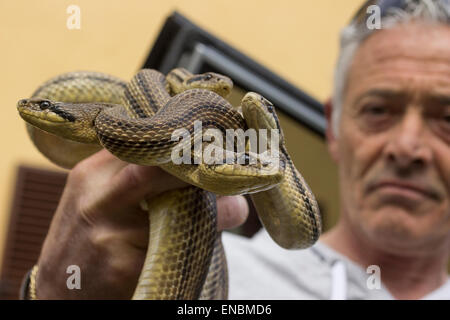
x=331, y=139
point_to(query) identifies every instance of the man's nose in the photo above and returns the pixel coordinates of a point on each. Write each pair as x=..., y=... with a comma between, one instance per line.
x=407, y=147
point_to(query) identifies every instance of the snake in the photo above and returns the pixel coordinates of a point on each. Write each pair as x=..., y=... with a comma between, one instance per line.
x=75, y=114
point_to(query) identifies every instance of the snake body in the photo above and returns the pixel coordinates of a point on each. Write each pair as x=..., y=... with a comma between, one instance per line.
x=134, y=121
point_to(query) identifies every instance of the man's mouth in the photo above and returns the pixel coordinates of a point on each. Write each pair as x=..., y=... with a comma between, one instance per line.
x=403, y=189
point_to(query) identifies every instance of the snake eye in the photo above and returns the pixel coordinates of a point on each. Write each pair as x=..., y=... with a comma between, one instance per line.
x=44, y=105
x=208, y=76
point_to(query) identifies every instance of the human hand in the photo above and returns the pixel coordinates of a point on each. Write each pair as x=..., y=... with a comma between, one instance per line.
x=100, y=227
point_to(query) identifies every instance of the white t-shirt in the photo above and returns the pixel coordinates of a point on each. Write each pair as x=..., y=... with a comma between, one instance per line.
x=260, y=270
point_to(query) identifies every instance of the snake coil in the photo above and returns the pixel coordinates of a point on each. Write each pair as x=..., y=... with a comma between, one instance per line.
x=79, y=113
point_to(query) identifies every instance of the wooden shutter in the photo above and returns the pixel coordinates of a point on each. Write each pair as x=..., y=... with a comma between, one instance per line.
x=36, y=196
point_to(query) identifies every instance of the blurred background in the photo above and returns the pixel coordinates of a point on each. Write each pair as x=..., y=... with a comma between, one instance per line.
x=296, y=39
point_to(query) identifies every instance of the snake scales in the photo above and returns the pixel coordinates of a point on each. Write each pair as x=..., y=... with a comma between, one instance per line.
x=79, y=113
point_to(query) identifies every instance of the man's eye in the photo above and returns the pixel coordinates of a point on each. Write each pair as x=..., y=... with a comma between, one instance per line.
x=441, y=124
x=446, y=123
x=447, y=119
x=376, y=110
x=376, y=116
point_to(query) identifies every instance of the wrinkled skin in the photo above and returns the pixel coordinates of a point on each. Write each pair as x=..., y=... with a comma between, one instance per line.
x=393, y=153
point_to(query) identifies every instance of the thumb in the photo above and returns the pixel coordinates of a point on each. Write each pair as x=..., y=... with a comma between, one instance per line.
x=232, y=211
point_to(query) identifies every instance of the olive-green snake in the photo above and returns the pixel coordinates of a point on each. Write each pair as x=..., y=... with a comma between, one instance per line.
x=76, y=114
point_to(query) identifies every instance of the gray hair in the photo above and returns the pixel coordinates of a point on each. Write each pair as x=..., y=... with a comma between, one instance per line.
x=354, y=35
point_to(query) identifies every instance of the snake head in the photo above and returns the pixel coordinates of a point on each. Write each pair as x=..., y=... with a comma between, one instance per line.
x=66, y=120
x=43, y=109
x=215, y=82
x=246, y=174
x=259, y=113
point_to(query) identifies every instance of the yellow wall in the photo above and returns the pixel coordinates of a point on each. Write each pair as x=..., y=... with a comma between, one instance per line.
x=295, y=38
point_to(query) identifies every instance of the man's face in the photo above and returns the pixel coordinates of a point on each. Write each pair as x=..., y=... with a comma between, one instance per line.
x=394, y=138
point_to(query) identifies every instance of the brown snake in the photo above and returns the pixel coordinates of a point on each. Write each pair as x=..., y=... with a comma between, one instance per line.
x=81, y=112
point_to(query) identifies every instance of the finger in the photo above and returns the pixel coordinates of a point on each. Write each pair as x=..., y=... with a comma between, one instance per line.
x=101, y=163
x=231, y=212
x=134, y=183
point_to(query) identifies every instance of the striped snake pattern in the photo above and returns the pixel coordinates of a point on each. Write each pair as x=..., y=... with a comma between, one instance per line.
x=79, y=113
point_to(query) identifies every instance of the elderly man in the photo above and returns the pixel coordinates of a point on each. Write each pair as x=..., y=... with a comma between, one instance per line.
x=389, y=133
